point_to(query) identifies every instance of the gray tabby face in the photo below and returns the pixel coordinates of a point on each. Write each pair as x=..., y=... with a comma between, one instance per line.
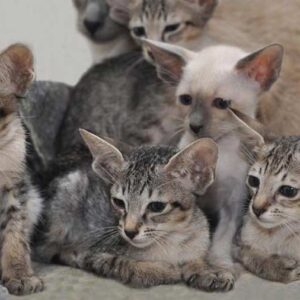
x=98, y=21
x=153, y=189
x=274, y=176
x=172, y=21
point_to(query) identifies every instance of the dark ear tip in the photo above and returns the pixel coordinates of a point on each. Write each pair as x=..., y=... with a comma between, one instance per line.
x=278, y=48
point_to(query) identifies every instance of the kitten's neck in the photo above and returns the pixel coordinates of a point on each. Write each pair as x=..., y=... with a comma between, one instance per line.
x=116, y=47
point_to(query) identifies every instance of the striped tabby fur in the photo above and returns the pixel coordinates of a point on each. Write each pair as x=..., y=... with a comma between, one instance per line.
x=136, y=221
x=20, y=204
x=268, y=243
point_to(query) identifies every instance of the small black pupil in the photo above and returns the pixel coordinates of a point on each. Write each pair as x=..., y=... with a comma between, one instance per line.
x=139, y=31
x=288, y=191
x=2, y=113
x=157, y=206
x=221, y=103
x=186, y=99
x=253, y=181
x=119, y=202
x=172, y=27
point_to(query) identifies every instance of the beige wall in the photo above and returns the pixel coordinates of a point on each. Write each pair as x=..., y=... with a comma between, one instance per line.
x=48, y=27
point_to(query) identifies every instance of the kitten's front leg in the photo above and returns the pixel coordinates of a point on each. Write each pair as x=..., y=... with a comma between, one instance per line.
x=17, y=273
x=270, y=267
x=198, y=274
x=139, y=274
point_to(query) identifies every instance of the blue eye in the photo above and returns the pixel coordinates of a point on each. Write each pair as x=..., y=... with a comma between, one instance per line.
x=186, y=99
x=288, y=191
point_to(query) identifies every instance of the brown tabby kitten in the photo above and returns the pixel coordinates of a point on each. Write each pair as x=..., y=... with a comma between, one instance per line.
x=20, y=204
x=268, y=242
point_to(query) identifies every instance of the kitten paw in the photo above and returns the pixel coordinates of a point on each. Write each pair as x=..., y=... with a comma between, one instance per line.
x=24, y=286
x=288, y=268
x=212, y=281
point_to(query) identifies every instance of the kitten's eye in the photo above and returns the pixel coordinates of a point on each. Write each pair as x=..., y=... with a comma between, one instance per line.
x=253, y=181
x=221, y=103
x=186, y=99
x=156, y=207
x=118, y=203
x=288, y=191
x=2, y=113
x=172, y=27
x=139, y=31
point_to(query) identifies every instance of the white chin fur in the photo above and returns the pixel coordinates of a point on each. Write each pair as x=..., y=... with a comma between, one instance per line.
x=267, y=222
x=141, y=244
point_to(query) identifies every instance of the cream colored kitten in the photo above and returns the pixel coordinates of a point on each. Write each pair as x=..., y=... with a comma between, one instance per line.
x=249, y=24
x=208, y=82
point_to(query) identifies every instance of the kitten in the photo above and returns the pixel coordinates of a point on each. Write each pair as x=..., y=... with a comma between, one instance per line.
x=247, y=24
x=268, y=243
x=103, y=23
x=136, y=220
x=208, y=82
x=20, y=204
x=177, y=22
x=123, y=101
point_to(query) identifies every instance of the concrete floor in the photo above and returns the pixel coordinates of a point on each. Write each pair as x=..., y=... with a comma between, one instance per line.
x=70, y=284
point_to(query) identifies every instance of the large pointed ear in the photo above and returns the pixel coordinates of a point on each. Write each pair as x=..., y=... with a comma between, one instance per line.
x=170, y=60
x=263, y=66
x=108, y=160
x=195, y=165
x=119, y=11
x=16, y=70
x=250, y=130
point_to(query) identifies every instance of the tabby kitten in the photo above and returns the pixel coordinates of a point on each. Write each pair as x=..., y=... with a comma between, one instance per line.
x=179, y=22
x=268, y=243
x=248, y=24
x=136, y=220
x=20, y=203
x=124, y=100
